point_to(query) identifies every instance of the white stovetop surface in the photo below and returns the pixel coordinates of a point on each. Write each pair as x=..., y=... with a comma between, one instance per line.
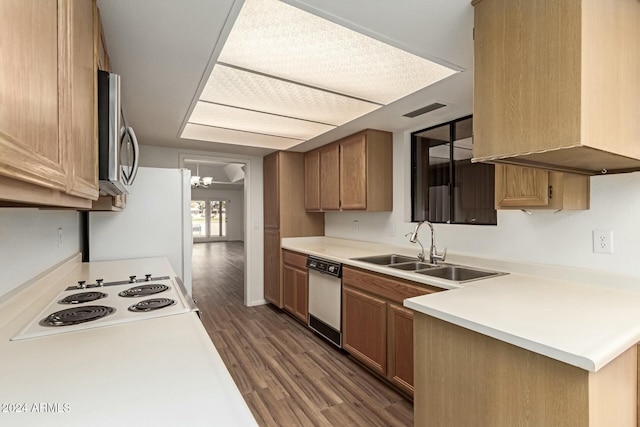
x=580, y=317
x=161, y=371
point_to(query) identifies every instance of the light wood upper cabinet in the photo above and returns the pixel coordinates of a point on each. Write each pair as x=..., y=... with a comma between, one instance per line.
x=271, y=185
x=79, y=118
x=48, y=137
x=330, y=177
x=354, y=173
x=312, y=180
x=520, y=187
x=557, y=87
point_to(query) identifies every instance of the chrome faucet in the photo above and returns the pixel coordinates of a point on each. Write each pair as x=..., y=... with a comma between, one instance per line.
x=434, y=257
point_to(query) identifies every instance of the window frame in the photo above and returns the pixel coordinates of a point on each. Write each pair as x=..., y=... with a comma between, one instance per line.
x=451, y=177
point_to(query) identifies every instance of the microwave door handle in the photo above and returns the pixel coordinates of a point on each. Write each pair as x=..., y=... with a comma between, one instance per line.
x=136, y=155
x=126, y=153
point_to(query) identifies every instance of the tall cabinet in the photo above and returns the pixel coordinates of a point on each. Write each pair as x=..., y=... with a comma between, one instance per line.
x=284, y=215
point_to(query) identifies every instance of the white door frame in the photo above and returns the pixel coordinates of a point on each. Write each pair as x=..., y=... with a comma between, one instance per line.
x=248, y=240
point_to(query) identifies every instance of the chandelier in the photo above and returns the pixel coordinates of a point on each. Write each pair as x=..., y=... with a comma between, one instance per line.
x=200, y=182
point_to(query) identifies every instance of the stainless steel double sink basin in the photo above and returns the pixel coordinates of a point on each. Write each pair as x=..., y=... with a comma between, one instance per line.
x=454, y=273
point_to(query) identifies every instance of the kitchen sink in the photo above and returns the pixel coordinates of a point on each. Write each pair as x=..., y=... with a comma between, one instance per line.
x=458, y=274
x=387, y=259
x=412, y=266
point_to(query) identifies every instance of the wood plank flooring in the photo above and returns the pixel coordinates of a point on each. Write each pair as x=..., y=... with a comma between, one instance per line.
x=287, y=375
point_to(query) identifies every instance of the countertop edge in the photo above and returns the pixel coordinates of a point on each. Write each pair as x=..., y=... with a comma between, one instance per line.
x=592, y=356
x=553, y=353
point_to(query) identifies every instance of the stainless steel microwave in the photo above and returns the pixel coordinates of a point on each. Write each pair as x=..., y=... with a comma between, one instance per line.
x=118, y=151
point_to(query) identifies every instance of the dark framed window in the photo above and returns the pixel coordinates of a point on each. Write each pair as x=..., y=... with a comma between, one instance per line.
x=445, y=186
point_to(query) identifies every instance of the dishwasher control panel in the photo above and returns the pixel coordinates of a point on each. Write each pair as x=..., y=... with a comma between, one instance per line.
x=324, y=266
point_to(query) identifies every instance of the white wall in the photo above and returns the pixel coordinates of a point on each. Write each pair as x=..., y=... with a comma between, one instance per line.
x=29, y=243
x=253, y=232
x=563, y=238
x=235, y=208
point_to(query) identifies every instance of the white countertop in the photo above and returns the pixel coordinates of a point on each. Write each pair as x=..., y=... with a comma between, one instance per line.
x=585, y=322
x=163, y=371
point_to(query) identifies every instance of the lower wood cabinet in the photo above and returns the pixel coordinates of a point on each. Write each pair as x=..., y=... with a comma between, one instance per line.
x=272, y=267
x=401, y=347
x=295, y=287
x=364, y=321
x=377, y=330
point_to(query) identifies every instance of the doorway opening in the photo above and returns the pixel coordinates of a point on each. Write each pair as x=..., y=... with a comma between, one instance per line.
x=219, y=203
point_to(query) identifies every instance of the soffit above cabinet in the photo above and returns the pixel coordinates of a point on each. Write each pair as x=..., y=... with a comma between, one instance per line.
x=558, y=88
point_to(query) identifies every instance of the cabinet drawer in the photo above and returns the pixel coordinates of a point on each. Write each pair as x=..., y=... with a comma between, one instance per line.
x=295, y=259
x=393, y=289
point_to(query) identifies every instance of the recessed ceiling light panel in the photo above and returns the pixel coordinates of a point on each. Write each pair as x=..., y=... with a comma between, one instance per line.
x=231, y=136
x=253, y=121
x=285, y=76
x=277, y=39
x=244, y=89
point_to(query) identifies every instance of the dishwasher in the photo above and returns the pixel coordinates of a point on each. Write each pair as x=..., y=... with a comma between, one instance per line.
x=325, y=299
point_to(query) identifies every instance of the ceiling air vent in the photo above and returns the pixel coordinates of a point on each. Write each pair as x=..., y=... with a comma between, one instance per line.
x=423, y=110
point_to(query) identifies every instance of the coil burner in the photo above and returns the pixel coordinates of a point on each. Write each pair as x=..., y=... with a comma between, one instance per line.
x=82, y=297
x=152, y=304
x=76, y=315
x=144, y=290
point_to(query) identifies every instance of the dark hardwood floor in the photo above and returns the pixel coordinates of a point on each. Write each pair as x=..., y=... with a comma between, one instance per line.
x=288, y=376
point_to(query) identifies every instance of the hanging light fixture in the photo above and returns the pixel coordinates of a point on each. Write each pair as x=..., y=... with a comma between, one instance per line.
x=198, y=182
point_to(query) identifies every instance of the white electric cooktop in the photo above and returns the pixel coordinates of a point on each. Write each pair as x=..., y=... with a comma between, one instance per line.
x=84, y=306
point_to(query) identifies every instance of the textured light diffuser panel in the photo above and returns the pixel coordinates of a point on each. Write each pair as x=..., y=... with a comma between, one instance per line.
x=285, y=76
x=256, y=122
x=239, y=88
x=231, y=136
x=277, y=39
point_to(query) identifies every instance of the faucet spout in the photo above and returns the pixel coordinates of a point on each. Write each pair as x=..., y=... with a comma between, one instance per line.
x=434, y=257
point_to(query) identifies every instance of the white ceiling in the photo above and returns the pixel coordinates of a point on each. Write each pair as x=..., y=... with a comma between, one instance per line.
x=165, y=49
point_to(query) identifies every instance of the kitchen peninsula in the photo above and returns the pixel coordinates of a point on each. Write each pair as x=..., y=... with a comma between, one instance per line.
x=542, y=345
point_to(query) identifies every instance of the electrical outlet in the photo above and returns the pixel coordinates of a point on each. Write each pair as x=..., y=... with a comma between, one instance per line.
x=356, y=225
x=603, y=241
x=392, y=229
x=60, y=239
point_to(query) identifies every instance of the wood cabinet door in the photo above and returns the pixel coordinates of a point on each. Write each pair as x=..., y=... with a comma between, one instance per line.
x=401, y=347
x=330, y=177
x=521, y=187
x=288, y=288
x=271, y=190
x=30, y=149
x=312, y=180
x=78, y=106
x=295, y=292
x=272, y=268
x=301, y=285
x=295, y=287
x=353, y=173
x=364, y=328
